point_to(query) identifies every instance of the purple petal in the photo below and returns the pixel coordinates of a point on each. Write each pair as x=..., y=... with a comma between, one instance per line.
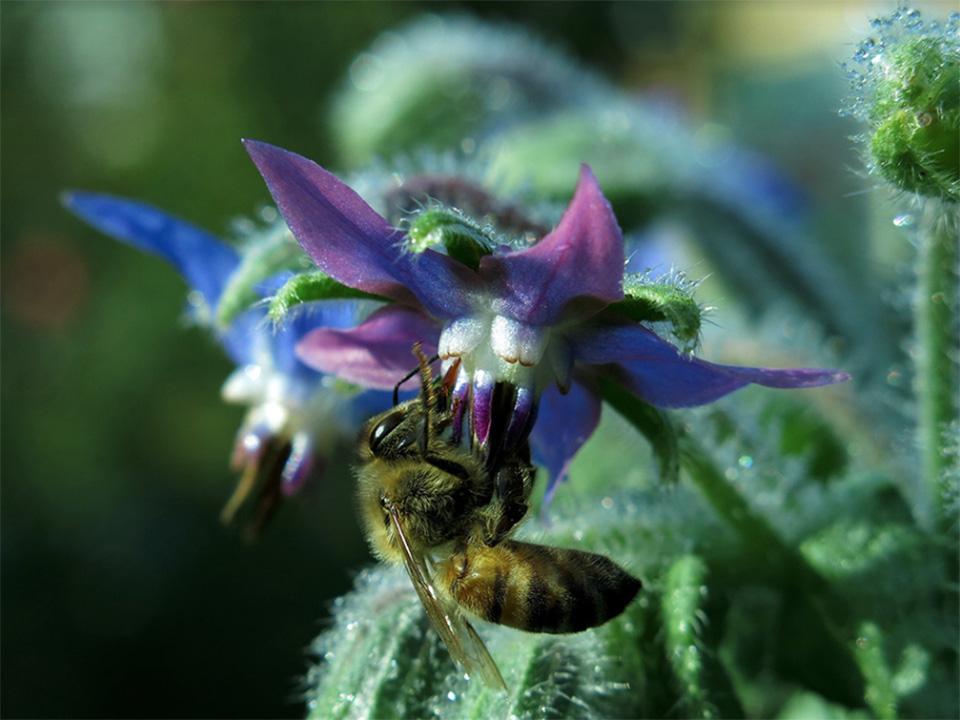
x=564, y=423
x=581, y=258
x=203, y=260
x=351, y=242
x=282, y=340
x=375, y=354
x=661, y=375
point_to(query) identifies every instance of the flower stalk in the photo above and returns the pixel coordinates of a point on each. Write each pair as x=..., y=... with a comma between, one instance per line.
x=938, y=346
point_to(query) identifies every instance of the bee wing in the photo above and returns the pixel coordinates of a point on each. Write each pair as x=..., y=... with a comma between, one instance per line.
x=457, y=633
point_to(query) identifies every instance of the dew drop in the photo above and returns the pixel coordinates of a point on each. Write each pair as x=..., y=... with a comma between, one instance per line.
x=452, y=696
x=195, y=299
x=904, y=220
x=745, y=461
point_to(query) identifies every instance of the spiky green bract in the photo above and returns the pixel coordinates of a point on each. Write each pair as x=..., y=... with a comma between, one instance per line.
x=264, y=254
x=309, y=287
x=916, y=116
x=462, y=237
x=666, y=299
x=684, y=592
x=906, y=88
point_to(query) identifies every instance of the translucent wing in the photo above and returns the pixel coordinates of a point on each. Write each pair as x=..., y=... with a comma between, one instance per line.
x=457, y=634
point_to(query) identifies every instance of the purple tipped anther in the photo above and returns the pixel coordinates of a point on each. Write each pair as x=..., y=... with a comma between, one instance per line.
x=482, y=405
x=299, y=464
x=521, y=419
x=459, y=397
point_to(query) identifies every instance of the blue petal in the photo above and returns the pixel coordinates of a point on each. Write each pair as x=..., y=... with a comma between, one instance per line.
x=203, y=260
x=656, y=371
x=564, y=424
x=336, y=314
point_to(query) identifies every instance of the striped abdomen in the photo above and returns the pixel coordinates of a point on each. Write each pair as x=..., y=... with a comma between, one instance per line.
x=538, y=588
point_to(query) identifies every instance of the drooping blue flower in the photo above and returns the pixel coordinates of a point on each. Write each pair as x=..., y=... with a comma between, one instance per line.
x=296, y=414
x=531, y=320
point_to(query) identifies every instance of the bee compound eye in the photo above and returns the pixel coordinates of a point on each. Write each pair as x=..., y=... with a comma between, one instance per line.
x=382, y=430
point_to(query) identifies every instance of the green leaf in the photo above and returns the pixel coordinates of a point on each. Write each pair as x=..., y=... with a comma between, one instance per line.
x=869, y=654
x=684, y=593
x=310, y=287
x=808, y=705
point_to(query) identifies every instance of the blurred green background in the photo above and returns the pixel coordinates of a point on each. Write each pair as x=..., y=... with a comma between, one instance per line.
x=121, y=593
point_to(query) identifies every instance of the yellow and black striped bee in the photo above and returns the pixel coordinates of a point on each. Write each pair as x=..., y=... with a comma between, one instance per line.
x=446, y=513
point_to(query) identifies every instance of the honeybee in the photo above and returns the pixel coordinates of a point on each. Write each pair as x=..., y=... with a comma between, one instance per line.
x=446, y=513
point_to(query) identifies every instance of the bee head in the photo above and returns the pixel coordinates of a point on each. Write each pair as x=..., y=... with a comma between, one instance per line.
x=394, y=434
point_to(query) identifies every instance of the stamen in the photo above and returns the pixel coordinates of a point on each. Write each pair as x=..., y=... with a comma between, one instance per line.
x=482, y=401
x=299, y=465
x=522, y=418
x=462, y=336
x=515, y=341
x=460, y=399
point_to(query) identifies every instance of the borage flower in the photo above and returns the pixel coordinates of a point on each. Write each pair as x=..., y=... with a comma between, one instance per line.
x=523, y=329
x=295, y=413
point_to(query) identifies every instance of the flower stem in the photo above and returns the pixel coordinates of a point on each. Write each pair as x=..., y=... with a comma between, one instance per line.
x=938, y=345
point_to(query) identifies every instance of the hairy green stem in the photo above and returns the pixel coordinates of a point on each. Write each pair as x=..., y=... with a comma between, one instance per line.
x=938, y=345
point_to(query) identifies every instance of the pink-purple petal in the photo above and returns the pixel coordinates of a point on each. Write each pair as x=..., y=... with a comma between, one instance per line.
x=657, y=372
x=582, y=259
x=351, y=242
x=564, y=424
x=375, y=354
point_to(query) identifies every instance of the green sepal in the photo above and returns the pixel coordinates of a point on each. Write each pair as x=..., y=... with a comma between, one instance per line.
x=654, y=424
x=462, y=237
x=667, y=299
x=310, y=287
x=263, y=258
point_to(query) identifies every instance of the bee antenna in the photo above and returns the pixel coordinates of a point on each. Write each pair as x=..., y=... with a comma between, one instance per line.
x=396, y=388
x=428, y=395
